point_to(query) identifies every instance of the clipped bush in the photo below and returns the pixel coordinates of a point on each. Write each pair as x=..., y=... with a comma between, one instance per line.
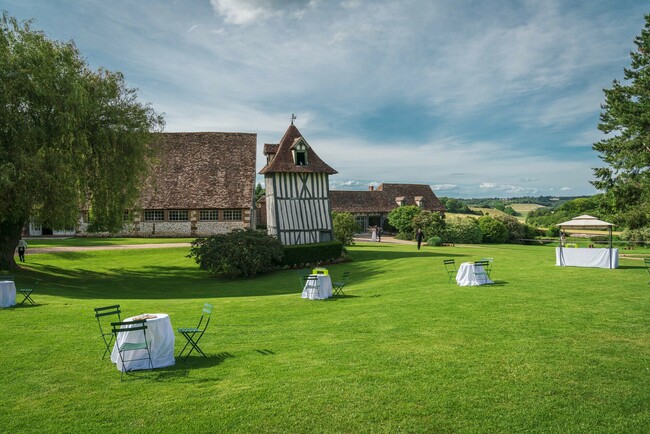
x=312, y=253
x=345, y=227
x=493, y=230
x=434, y=241
x=462, y=231
x=238, y=253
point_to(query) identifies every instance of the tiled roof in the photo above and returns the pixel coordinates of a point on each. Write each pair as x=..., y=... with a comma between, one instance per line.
x=283, y=160
x=383, y=199
x=202, y=170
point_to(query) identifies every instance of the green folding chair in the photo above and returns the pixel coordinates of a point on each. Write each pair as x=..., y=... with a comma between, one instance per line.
x=311, y=284
x=480, y=271
x=488, y=267
x=131, y=344
x=647, y=265
x=27, y=292
x=8, y=277
x=450, y=268
x=107, y=336
x=194, y=334
x=338, y=286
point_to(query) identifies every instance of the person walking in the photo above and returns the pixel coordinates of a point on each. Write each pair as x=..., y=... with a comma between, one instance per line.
x=379, y=231
x=22, y=245
x=419, y=236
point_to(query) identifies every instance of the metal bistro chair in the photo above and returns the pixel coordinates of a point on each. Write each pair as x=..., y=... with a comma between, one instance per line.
x=488, y=267
x=450, y=267
x=193, y=334
x=131, y=327
x=107, y=336
x=480, y=271
x=338, y=286
x=27, y=293
x=312, y=285
x=647, y=265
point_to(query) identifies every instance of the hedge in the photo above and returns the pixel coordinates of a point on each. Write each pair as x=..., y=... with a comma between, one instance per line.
x=312, y=253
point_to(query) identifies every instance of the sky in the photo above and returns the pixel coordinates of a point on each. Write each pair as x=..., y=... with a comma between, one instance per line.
x=492, y=98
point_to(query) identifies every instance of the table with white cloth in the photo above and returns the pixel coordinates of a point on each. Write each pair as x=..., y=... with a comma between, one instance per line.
x=590, y=257
x=323, y=291
x=470, y=274
x=160, y=336
x=7, y=293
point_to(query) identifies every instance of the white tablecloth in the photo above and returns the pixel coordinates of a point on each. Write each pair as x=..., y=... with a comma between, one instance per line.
x=595, y=258
x=7, y=293
x=324, y=288
x=160, y=335
x=466, y=276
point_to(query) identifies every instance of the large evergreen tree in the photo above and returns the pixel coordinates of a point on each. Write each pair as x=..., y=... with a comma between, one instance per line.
x=626, y=149
x=70, y=137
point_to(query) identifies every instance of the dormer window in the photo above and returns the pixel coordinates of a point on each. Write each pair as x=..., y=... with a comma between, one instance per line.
x=300, y=153
x=399, y=201
x=419, y=201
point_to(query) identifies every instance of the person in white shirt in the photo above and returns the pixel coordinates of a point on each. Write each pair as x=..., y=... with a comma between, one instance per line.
x=22, y=245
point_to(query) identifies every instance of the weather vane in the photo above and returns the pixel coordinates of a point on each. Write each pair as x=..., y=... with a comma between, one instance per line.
x=293, y=118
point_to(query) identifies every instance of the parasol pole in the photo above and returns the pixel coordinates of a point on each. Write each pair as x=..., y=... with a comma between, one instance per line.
x=610, y=247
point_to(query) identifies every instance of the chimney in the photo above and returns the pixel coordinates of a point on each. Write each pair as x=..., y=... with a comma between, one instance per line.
x=371, y=188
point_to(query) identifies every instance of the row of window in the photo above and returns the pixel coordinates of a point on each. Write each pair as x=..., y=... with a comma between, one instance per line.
x=183, y=215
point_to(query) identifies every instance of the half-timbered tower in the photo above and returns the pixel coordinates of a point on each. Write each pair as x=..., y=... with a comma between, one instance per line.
x=298, y=208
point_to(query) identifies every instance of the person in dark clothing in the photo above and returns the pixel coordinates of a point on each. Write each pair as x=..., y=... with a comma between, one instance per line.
x=379, y=231
x=22, y=245
x=419, y=236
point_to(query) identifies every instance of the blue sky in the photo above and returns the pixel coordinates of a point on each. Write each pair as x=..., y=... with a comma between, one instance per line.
x=492, y=98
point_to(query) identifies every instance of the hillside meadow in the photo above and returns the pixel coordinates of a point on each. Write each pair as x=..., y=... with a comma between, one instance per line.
x=544, y=349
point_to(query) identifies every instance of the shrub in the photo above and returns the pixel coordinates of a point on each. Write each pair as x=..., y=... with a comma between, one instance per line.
x=553, y=231
x=238, y=253
x=402, y=219
x=431, y=223
x=493, y=230
x=463, y=231
x=434, y=241
x=312, y=253
x=344, y=227
x=639, y=236
x=515, y=229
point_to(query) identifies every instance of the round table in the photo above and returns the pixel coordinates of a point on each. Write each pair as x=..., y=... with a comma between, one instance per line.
x=160, y=335
x=7, y=293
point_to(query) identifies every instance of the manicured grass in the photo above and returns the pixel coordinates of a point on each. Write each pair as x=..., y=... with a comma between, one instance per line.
x=86, y=242
x=545, y=349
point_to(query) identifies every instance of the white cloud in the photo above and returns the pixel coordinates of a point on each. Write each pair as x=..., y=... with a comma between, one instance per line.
x=438, y=187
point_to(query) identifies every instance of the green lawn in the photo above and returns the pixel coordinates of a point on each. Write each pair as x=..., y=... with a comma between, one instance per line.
x=85, y=242
x=545, y=349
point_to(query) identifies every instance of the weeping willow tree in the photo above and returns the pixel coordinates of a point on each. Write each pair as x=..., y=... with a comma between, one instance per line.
x=70, y=137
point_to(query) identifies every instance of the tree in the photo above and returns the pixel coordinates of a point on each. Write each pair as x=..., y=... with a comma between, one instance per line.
x=626, y=149
x=401, y=218
x=70, y=137
x=344, y=227
x=259, y=191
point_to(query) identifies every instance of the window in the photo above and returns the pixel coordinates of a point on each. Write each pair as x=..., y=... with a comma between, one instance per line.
x=179, y=215
x=300, y=154
x=126, y=217
x=154, y=215
x=209, y=215
x=232, y=214
x=301, y=158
